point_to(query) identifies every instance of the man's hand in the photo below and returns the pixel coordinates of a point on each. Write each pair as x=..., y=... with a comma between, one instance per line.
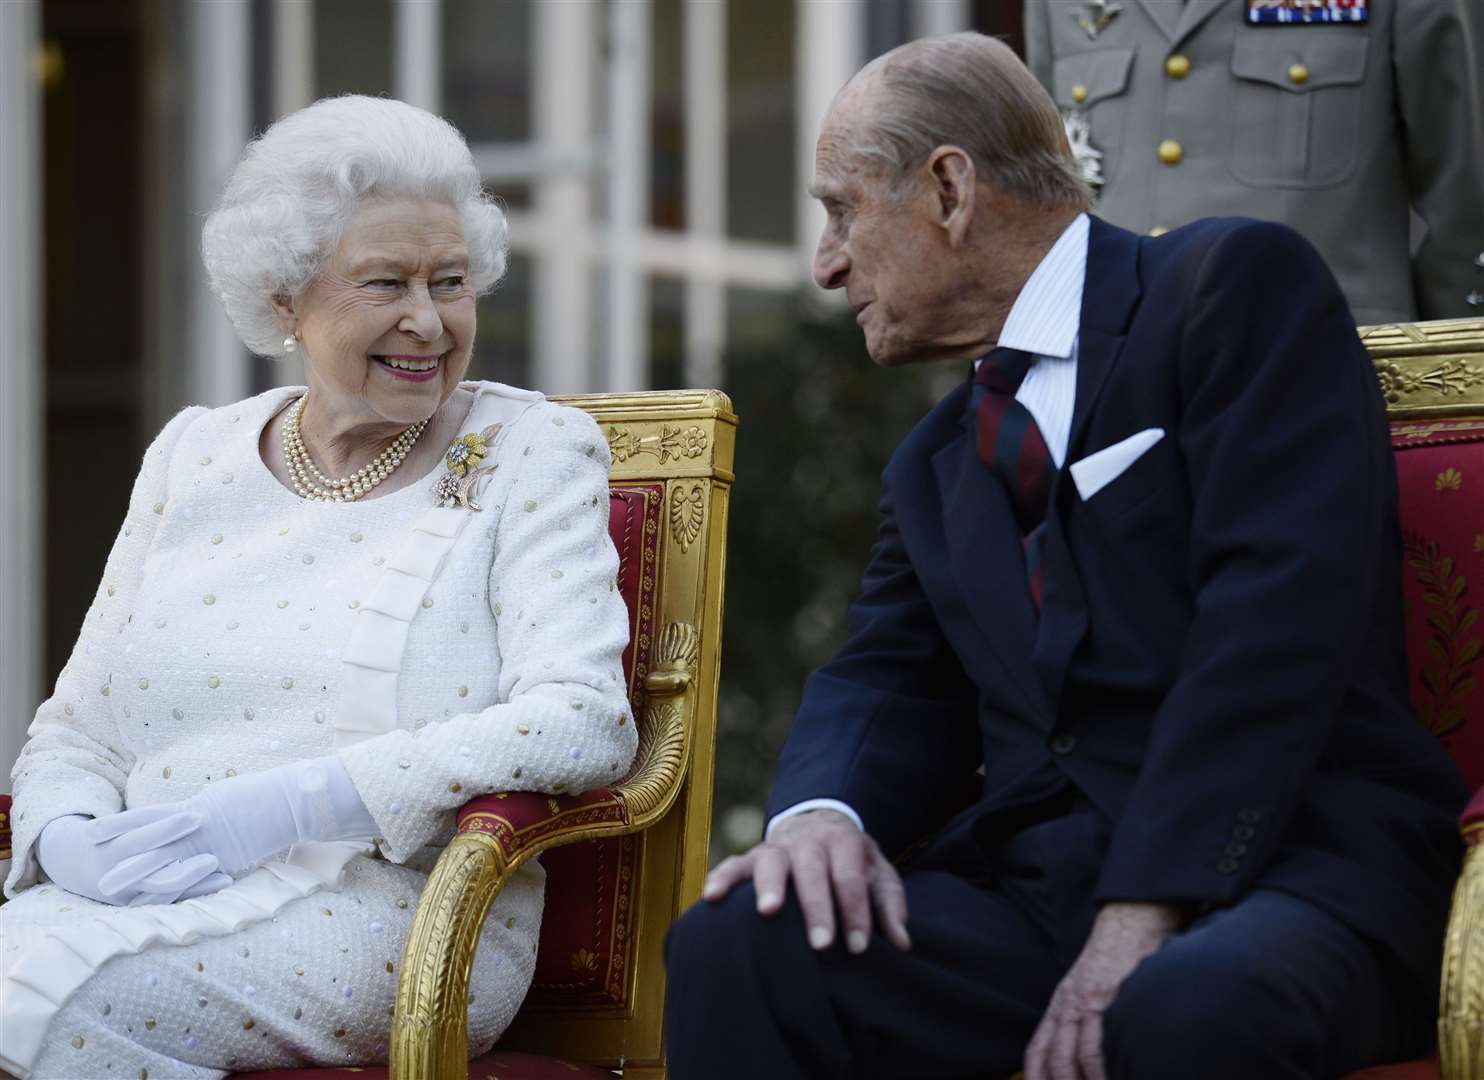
x=1068, y=1045
x=832, y=864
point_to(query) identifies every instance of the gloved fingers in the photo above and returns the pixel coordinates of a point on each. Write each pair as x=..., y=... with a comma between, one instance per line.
x=125, y=876
x=151, y=834
x=111, y=825
x=178, y=876
x=209, y=884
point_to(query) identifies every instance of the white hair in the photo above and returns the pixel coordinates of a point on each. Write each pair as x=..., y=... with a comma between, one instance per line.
x=298, y=184
x=973, y=92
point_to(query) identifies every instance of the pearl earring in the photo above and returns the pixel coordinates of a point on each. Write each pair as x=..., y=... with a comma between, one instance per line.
x=290, y=343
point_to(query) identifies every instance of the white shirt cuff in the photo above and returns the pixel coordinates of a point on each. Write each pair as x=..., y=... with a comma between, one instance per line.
x=814, y=804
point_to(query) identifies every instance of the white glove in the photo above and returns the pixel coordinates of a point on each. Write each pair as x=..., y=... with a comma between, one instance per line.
x=250, y=818
x=152, y=864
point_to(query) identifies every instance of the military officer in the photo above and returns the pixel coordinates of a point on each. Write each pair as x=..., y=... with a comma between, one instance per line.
x=1335, y=117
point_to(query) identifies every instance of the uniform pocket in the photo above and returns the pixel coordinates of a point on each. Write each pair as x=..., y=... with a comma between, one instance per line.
x=1296, y=109
x=1094, y=82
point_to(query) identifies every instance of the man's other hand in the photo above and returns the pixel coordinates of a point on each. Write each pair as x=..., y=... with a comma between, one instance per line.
x=1068, y=1044
x=832, y=865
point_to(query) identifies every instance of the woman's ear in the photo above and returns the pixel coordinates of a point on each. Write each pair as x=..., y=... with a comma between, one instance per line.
x=951, y=172
x=283, y=308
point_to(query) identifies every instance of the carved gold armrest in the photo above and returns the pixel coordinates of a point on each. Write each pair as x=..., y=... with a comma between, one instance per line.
x=496, y=835
x=1461, y=1005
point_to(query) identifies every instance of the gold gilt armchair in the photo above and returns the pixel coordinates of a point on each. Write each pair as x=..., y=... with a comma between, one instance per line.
x=621, y=862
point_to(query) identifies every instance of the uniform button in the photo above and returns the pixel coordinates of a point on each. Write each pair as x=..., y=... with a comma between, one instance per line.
x=1177, y=66
x=1249, y=816
x=1158, y=230
x=1234, y=849
x=1298, y=74
x=1079, y=93
x=1244, y=832
x=1474, y=298
x=1227, y=866
x=1170, y=152
x=1479, y=260
x=1063, y=744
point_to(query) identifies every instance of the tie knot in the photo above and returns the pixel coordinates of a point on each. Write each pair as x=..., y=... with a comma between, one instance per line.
x=1003, y=370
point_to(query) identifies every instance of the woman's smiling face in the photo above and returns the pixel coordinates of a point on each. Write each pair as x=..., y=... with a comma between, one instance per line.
x=387, y=327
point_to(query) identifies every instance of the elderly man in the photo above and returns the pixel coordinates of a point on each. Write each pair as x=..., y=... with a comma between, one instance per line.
x=1143, y=569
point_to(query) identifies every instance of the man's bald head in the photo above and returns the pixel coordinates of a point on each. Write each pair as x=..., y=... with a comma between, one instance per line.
x=963, y=90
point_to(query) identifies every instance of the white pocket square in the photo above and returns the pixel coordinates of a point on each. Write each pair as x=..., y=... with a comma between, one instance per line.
x=1097, y=471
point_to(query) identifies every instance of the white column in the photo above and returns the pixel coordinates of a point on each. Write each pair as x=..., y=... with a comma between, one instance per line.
x=417, y=45
x=624, y=359
x=829, y=47
x=215, y=364
x=293, y=55
x=562, y=63
x=21, y=387
x=933, y=17
x=705, y=187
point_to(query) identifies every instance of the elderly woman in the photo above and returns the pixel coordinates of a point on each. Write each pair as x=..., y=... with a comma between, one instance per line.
x=332, y=616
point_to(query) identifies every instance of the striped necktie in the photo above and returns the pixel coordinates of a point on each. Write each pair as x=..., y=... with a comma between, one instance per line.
x=1010, y=444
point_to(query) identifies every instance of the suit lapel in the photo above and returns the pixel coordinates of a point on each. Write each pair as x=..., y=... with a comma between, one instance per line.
x=1193, y=14
x=1165, y=14
x=1109, y=298
x=985, y=560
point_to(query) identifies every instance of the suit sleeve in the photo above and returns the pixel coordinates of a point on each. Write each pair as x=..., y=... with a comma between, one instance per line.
x=75, y=761
x=889, y=725
x=1438, y=57
x=563, y=722
x=1284, y=437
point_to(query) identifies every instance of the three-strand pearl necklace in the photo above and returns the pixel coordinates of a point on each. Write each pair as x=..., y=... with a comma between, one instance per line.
x=312, y=484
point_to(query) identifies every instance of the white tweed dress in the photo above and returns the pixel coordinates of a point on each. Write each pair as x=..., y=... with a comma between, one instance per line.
x=442, y=653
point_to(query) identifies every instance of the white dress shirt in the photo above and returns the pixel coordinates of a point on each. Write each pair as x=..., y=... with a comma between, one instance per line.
x=1044, y=321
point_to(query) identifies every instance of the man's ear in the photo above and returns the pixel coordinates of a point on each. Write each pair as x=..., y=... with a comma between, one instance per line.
x=283, y=308
x=951, y=172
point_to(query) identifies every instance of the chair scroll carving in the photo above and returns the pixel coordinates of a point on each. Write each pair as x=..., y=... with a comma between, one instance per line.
x=1461, y=1005
x=430, y=1036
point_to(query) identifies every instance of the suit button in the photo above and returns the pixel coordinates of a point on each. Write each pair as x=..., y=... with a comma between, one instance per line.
x=1235, y=849
x=1170, y=152
x=1079, y=93
x=1249, y=816
x=1177, y=66
x=1244, y=832
x=1298, y=74
x=1227, y=866
x=1063, y=744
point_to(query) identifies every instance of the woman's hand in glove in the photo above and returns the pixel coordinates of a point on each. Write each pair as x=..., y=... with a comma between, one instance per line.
x=250, y=818
x=143, y=860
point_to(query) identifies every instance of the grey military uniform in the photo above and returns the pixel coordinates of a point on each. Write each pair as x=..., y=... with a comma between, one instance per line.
x=1334, y=129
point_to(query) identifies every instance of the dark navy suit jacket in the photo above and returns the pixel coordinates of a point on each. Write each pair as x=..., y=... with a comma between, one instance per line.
x=1219, y=665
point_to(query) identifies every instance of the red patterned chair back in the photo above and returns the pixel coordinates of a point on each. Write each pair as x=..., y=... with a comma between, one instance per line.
x=599, y=985
x=1433, y=377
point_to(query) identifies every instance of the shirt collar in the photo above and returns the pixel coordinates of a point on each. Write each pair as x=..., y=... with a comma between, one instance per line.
x=1045, y=316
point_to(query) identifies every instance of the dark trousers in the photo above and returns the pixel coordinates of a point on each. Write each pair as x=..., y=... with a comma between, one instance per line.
x=1270, y=989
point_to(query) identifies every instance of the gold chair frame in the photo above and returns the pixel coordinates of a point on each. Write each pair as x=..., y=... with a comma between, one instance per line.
x=684, y=440
x=1435, y=371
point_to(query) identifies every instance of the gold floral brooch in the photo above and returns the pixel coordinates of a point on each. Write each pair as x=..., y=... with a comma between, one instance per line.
x=464, y=460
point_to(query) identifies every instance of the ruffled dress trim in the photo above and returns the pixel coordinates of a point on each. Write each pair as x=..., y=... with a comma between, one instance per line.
x=372, y=658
